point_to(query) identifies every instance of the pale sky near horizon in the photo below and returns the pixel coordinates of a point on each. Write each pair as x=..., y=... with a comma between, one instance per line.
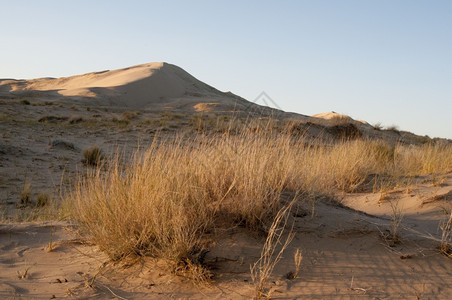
x=387, y=61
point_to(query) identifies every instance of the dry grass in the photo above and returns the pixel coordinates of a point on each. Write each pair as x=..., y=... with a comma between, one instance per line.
x=446, y=237
x=164, y=200
x=25, y=194
x=396, y=220
x=298, y=257
x=42, y=200
x=93, y=156
x=167, y=197
x=425, y=159
x=274, y=246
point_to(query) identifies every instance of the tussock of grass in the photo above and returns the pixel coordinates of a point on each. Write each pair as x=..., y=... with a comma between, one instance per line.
x=164, y=200
x=42, y=200
x=25, y=194
x=93, y=156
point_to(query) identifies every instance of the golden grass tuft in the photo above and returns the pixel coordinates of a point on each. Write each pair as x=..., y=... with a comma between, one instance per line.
x=93, y=156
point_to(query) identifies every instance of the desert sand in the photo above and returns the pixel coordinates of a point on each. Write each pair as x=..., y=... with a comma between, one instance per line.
x=344, y=257
x=46, y=123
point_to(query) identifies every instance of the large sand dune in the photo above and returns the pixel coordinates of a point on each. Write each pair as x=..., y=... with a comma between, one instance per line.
x=152, y=85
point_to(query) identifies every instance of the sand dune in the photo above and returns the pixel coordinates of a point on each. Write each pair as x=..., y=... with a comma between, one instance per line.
x=332, y=115
x=141, y=86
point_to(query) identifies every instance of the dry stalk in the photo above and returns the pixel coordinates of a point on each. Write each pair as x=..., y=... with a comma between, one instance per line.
x=396, y=218
x=298, y=257
x=446, y=237
x=262, y=269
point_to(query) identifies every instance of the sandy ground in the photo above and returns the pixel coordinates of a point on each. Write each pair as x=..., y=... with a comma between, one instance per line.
x=344, y=256
x=46, y=124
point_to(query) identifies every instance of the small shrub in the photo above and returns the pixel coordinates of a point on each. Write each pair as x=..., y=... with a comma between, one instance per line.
x=340, y=120
x=120, y=122
x=378, y=126
x=129, y=115
x=396, y=220
x=62, y=145
x=344, y=131
x=42, y=200
x=25, y=194
x=168, y=115
x=24, y=102
x=393, y=128
x=93, y=156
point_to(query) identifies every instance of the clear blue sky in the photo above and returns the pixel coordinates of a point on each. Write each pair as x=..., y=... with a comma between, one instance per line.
x=385, y=61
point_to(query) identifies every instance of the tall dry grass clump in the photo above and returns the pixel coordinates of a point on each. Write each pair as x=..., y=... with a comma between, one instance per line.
x=425, y=159
x=151, y=206
x=163, y=200
x=325, y=168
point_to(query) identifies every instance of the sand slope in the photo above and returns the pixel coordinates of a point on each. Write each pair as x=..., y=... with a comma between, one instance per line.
x=149, y=85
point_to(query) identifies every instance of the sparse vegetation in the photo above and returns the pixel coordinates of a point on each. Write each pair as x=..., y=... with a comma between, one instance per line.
x=298, y=257
x=344, y=131
x=393, y=128
x=129, y=115
x=446, y=237
x=25, y=194
x=396, y=220
x=274, y=246
x=50, y=245
x=93, y=156
x=62, y=144
x=120, y=122
x=52, y=119
x=42, y=200
x=378, y=126
x=24, y=274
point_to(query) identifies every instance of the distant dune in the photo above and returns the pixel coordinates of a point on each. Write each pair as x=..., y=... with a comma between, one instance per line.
x=142, y=86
